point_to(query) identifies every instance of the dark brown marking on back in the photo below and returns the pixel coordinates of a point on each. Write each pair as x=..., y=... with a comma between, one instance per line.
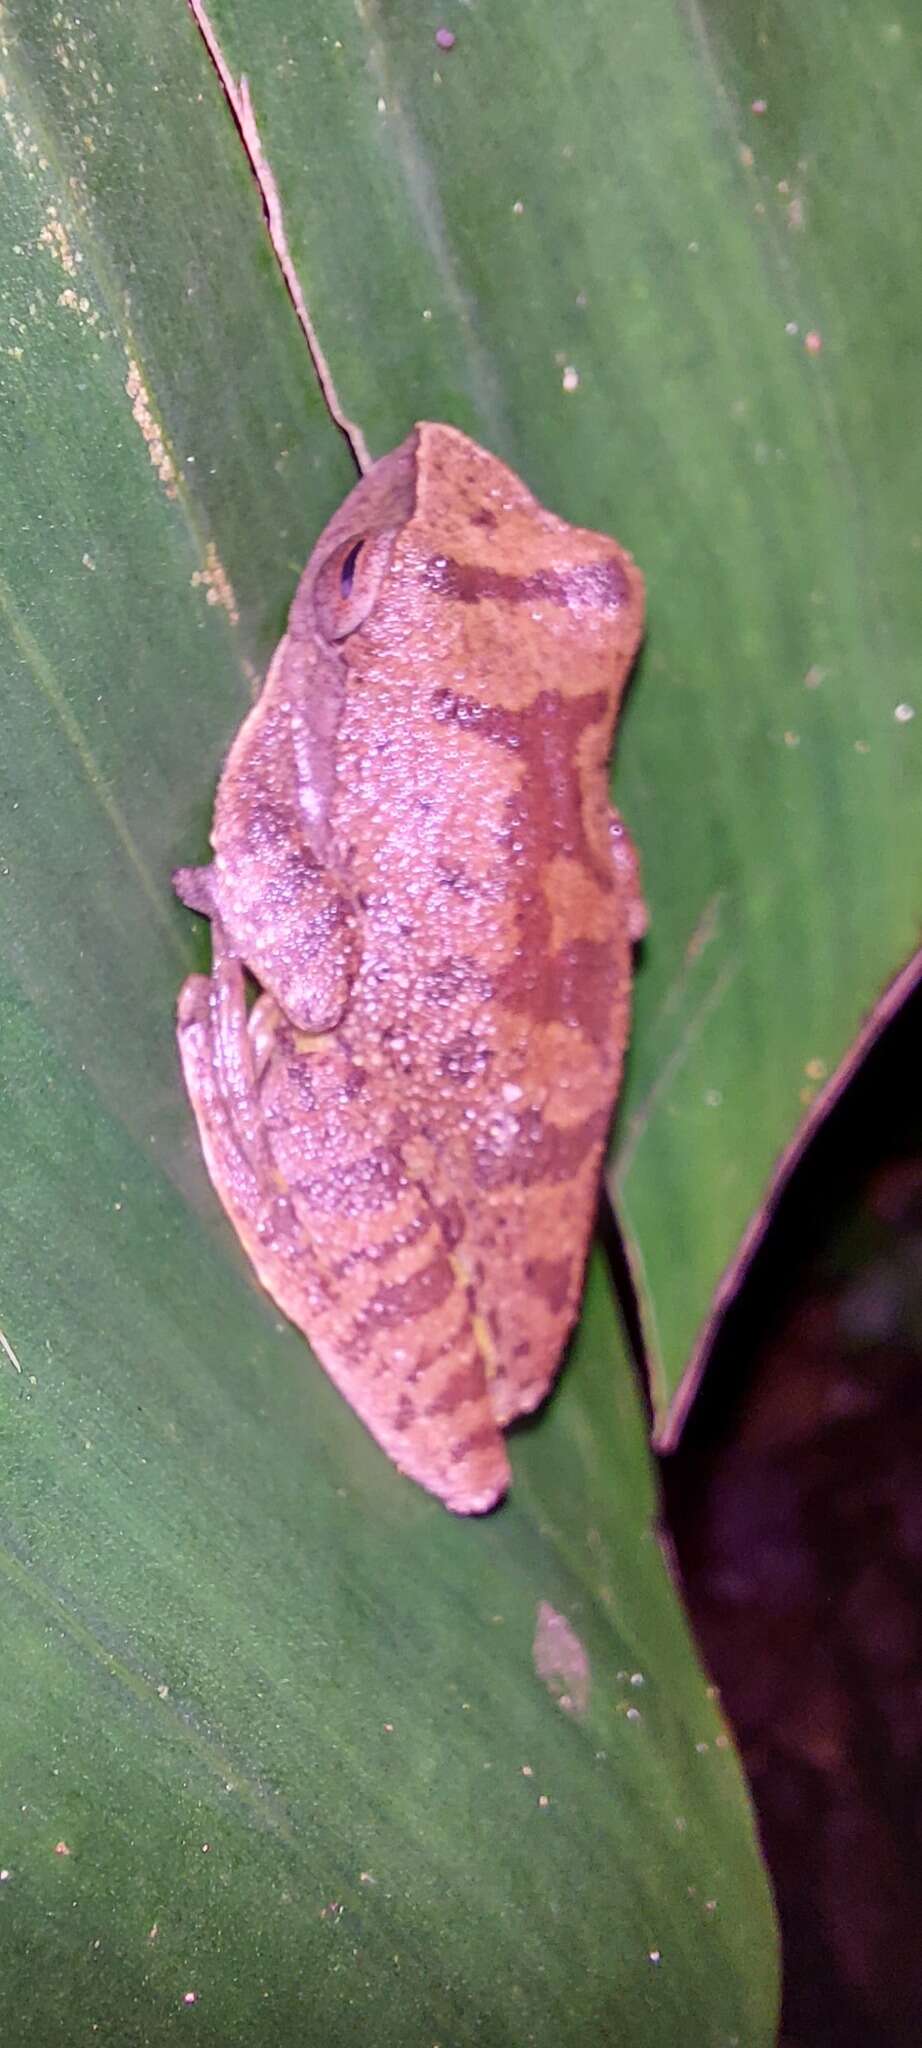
x=466, y=1384
x=458, y=1337
x=465, y=1059
x=451, y=1222
x=450, y=876
x=546, y=738
x=550, y=1278
x=403, y=1300
x=404, y=1413
x=482, y=1439
x=576, y=985
x=389, y=1248
x=541, y=1151
x=452, y=978
x=598, y=586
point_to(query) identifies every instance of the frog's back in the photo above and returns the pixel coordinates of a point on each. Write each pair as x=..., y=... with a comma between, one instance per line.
x=473, y=758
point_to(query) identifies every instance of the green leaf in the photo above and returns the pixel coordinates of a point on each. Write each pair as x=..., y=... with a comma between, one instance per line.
x=277, y=1737
x=599, y=191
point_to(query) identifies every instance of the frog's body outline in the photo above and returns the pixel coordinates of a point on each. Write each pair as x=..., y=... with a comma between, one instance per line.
x=416, y=858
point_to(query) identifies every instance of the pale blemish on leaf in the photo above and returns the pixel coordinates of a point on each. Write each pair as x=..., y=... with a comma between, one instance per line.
x=55, y=238
x=79, y=305
x=141, y=409
x=560, y=1660
x=216, y=583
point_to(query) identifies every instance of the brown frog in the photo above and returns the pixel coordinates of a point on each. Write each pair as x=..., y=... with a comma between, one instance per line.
x=415, y=857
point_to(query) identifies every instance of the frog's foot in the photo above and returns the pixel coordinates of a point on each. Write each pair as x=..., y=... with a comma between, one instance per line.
x=216, y=1050
x=262, y=1025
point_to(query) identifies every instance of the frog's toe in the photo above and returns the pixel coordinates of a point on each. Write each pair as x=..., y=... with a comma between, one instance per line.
x=193, y=887
x=192, y=1008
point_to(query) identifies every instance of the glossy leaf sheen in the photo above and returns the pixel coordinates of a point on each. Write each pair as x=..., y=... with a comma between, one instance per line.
x=277, y=1763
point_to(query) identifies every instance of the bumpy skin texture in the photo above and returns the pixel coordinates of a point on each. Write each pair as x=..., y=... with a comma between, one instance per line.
x=415, y=857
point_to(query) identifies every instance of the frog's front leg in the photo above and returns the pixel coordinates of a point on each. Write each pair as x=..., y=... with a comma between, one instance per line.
x=217, y=1053
x=287, y=917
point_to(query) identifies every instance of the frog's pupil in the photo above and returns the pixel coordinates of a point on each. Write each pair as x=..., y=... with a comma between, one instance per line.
x=347, y=571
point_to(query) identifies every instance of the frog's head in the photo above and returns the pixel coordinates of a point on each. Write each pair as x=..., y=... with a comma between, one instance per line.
x=443, y=550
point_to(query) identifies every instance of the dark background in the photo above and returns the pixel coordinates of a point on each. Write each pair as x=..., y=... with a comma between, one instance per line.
x=795, y=1509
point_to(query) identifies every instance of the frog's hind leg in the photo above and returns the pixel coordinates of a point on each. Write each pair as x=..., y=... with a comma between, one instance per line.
x=396, y=1329
x=344, y=1240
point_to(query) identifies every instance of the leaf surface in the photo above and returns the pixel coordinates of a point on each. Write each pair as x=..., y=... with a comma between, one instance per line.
x=278, y=1739
x=662, y=261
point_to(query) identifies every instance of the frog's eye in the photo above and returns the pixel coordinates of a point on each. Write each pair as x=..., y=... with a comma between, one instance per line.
x=348, y=583
x=347, y=569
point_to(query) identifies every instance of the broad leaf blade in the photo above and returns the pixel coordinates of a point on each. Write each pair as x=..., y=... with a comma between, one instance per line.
x=149, y=382
x=661, y=260
x=275, y=1748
